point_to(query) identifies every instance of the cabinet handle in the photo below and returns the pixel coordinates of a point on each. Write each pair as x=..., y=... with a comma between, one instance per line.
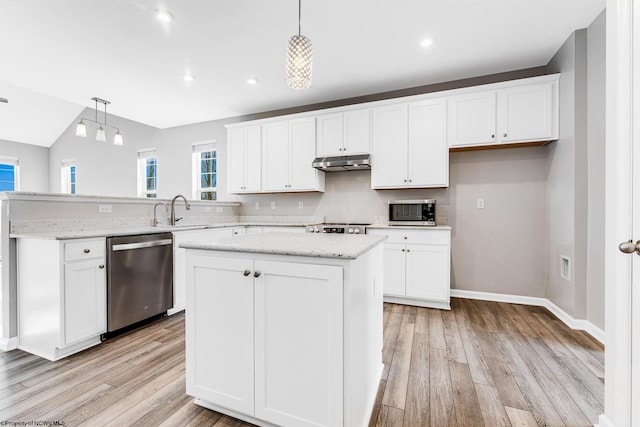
x=86, y=251
x=101, y=266
x=405, y=180
x=246, y=273
x=403, y=250
x=256, y=274
x=405, y=237
x=504, y=135
x=493, y=135
x=410, y=180
x=408, y=250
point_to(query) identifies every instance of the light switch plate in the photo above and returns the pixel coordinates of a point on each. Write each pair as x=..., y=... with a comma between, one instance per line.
x=105, y=209
x=300, y=205
x=207, y=209
x=480, y=203
x=273, y=205
x=257, y=205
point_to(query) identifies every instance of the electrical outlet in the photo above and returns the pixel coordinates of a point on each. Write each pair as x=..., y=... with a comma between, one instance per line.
x=105, y=209
x=207, y=209
x=480, y=203
x=442, y=220
x=257, y=205
x=300, y=205
x=219, y=209
x=273, y=205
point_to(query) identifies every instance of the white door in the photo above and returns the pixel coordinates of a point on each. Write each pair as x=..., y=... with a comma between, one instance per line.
x=428, y=272
x=622, y=271
x=329, y=135
x=428, y=150
x=299, y=344
x=357, y=132
x=253, y=159
x=394, y=277
x=471, y=119
x=302, y=146
x=219, y=342
x=85, y=300
x=525, y=113
x=275, y=156
x=389, y=168
x=236, y=160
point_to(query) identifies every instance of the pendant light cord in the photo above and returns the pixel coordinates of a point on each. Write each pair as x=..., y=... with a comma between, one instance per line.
x=299, y=16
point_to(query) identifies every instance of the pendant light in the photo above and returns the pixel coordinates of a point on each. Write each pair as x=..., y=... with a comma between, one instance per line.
x=101, y=135
x=299, y=59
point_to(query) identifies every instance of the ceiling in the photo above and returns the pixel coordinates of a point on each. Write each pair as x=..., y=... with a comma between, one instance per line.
x=58, y=54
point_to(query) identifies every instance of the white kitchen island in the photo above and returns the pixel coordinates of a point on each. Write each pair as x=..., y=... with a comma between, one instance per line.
x=285, y=329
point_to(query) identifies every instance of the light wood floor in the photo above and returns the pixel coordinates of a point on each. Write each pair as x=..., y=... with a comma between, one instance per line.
x=479, y=364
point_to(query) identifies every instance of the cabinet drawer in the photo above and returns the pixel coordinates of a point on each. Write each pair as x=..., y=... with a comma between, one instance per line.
x=429, y=236
x=84, y=249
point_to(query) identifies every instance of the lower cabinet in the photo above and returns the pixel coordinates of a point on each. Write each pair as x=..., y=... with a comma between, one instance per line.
x=62, y=305
x=417, y=266
x=265, y=339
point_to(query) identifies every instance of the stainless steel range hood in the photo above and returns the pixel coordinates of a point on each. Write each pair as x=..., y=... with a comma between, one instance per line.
x=342, y=163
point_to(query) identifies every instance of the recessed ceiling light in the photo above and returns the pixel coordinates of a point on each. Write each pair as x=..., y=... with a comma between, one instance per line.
x=188, y=77
x=426, y=42
x=252, y=81
x=164, y=15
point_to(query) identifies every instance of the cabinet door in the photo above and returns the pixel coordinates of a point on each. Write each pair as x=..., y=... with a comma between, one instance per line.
x=85, y=300
x=219, y=327
x=253, y=159
x=302, y=146
x=389, y=157
x=236, y=160
x=299, y=344
x=357, y=132
x=525, y=113
x=329, y=135
x=428, y=272
x=275, y=156
x=471, y=119
x=428, y=150
x=394, y=269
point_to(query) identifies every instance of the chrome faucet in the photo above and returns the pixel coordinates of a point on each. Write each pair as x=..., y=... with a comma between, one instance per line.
x=173, y=208
x=155, y=217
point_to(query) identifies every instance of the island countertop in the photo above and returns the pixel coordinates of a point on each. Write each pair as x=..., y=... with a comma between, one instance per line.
x=311, y=245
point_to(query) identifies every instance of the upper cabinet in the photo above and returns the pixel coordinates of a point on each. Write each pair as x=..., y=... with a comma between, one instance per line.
x=410, y=145
x=526, y=113
x=341, y=134
x=244, y=159
x=288, y=151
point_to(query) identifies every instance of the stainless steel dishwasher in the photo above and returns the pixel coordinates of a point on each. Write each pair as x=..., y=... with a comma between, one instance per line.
x=139, y=278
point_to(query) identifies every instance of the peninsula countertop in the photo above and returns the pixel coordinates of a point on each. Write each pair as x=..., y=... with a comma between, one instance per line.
x=310, y=244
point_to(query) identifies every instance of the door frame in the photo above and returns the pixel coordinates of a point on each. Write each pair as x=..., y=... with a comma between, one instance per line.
x=621, y=349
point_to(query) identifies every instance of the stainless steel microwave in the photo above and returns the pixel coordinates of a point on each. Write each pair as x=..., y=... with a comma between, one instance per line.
x=412, y=212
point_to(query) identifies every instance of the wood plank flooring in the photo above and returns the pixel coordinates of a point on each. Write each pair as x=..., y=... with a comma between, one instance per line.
x=480, y=364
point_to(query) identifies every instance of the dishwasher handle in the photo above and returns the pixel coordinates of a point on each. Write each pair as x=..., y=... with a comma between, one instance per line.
x=141, y=245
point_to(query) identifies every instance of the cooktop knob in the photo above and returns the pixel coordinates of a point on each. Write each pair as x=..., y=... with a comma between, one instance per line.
x=351, y=231
x=356, y=231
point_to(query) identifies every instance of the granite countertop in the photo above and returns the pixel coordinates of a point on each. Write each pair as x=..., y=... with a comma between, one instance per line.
x=311, y=245
x=130, y=231
x=411, y=227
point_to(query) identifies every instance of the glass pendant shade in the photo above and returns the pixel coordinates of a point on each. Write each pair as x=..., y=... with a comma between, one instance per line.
x=81, y=129
x=299, y=62
x=117, y=139
x=101, y=135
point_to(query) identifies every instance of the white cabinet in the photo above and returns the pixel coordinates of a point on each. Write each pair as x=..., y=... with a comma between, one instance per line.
x=250, y=317
x=524, y=113
x=417, y=266
x=410, y=146
x=244, y=159
x=341, y=134
x=180, y=237
x=288, y=151
x=62, y=306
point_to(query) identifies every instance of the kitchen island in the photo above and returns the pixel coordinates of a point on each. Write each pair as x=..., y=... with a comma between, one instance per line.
x=285, y=329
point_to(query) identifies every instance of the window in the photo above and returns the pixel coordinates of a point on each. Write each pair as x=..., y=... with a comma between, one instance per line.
x=68, y=177
x=9, y=174
x=147, y=173
x=205, y=171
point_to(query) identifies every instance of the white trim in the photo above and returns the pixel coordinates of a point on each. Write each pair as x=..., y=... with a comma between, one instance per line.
x=57, y=197
x=199, y=147
x=578, y=324
x=8, y=344
x=604, y=421
x=442, y=305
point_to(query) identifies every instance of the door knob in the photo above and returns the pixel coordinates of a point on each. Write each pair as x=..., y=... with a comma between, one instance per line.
x=630, y=247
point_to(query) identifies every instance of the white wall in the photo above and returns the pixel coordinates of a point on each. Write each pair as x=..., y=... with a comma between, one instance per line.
x=34, y=164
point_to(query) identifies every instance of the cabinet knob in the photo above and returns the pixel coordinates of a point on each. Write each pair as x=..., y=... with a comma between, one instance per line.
x=405, y=237
x=408, y=250
x=410, y=180
x=86, y=251
x=246, y=273
x=403, y=250
x=405, y=180
x=493, y=135
x=101, y=266
x=256, y=274
x=504, y=135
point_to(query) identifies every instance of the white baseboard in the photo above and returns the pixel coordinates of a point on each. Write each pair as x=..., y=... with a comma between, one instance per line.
x=604, y=421
x=8, y=344
x=579, y=324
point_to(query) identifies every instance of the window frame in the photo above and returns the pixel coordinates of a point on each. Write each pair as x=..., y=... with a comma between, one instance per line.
x=196, y=158
x=142, y=176
x=15, y=162
x=67, y=184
